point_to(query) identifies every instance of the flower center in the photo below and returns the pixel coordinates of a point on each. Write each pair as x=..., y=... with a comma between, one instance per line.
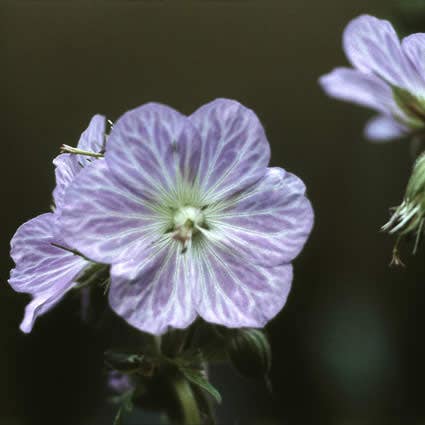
x=412, y=106
x=187, y=221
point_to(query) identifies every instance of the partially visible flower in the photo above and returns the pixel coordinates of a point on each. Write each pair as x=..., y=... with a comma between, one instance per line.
x=387, y=76
x=408, y=218
x=68, y=165
x=190, y=217
x=119, y=383
x=46, y=266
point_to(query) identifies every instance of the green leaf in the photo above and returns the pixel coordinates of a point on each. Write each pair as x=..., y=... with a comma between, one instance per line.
x=126, y=406
x=118, y=417
x=195, y=377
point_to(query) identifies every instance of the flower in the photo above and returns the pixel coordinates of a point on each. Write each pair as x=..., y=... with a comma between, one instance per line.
x=190, y=218
x=46, y=266
x=119, y=383
x=388, y=76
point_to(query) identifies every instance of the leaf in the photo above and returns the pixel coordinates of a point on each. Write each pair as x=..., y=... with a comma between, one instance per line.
x=196, y=377
x=126, y=406
x=118, y=417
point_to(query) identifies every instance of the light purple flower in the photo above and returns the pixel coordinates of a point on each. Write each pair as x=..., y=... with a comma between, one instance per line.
x=119, y=382
x=387, y=76
x=46, y=267
x=190, y=218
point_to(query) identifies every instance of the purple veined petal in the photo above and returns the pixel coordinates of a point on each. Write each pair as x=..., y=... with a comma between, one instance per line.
x=384, y=128
x=235, y=293
x=372, y=45
x=42, y=303
x=160, y=296
x=235, y=150
x=414, y=48
x=104, y=220
x=151, y=147
x=66, y=168
x=364, y=89
x=92, y=139
x=43, y=270
x=268, y=224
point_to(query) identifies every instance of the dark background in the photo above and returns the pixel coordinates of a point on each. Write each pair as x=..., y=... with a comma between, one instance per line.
x=348, y=347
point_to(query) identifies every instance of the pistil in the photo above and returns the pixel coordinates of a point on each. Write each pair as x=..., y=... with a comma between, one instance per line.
x=187, y=220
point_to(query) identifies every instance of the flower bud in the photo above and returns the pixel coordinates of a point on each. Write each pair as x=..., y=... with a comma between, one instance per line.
x=119, y=383
x=408, y=218
x=250, y=353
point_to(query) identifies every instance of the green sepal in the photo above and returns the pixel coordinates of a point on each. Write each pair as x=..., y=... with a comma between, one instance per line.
x=206, y=405
x=126, y=401
x=249, y=352
x=412, y=106
x=93, y=273
x=128, y=363
x=416, y=185
x=196, y=377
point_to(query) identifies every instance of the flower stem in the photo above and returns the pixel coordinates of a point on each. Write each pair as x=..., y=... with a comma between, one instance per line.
x=187, y=401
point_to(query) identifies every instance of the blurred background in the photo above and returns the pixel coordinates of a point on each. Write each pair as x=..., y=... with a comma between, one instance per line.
x=348, y=348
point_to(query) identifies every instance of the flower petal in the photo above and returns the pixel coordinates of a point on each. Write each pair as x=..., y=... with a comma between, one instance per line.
x=234, y=293
x=42, y=269
x=106, y=221
x=414, y=48
x=383, y=129
x=235, y=150
x=160, y=296
x=152, y=147
x=267, y=224
x=372, y=45
x=66, y=168
x=358, y=87
x=40, y=304
x=92, y=139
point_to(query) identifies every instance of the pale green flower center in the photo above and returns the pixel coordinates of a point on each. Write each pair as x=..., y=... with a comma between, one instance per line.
x=187, y=221
x=411, y=106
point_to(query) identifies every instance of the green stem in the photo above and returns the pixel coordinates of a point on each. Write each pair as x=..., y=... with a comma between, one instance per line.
x=187, y=401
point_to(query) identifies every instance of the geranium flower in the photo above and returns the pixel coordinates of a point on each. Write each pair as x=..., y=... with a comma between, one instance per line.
x=119, y=382
x=46, y=266
x=190, y=218
x=387, y=76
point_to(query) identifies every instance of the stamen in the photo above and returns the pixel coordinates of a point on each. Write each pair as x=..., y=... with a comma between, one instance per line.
x=187, y=221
